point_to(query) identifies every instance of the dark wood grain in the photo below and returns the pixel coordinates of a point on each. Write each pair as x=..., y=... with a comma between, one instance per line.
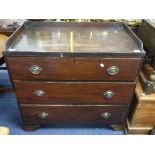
x=73, y=68
x=74, y=37
x=74, y=114
x=74, y=92
x=74, y=59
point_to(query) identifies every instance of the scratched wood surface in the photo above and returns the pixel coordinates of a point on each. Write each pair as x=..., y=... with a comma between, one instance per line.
x=68, y=37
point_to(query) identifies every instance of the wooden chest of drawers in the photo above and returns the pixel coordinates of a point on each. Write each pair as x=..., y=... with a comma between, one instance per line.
x=74, y=72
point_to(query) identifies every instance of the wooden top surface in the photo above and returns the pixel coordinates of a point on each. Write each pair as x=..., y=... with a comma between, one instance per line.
x=74, y=38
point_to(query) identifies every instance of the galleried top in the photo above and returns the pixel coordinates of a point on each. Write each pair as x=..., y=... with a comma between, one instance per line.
x=53, y=37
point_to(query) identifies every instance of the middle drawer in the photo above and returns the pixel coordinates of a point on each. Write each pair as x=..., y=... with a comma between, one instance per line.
x=75, y=92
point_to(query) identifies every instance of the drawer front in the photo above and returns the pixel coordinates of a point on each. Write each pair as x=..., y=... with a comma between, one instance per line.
x=74, y=114
x=52, y=68
x=75, y=92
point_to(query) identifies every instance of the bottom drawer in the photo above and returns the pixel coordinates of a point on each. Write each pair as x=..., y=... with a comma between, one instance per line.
x=41, y=114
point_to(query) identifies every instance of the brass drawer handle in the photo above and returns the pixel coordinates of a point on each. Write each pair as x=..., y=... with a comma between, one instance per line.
x=39, y=93
x=109, y=94
x=35, y=69
x=105, y=115
x=113, y=70
x=43, y=115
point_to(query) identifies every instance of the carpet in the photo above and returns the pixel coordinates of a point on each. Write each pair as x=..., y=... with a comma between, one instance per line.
x=10, y=117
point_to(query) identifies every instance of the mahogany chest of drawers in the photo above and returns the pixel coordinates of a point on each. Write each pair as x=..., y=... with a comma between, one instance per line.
x=73, y=72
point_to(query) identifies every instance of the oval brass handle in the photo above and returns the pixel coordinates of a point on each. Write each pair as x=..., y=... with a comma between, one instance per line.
x=113, y=70
x=35, y=69
x=43, y=115
x=109, y=94
x=39, y=93
x=105, y=115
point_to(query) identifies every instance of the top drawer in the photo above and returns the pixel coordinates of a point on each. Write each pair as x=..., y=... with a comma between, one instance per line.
x=54, y=68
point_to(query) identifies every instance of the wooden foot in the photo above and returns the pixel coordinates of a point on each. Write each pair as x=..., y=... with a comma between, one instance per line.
x=134, y=130
x=31, y=127
x=117, y=127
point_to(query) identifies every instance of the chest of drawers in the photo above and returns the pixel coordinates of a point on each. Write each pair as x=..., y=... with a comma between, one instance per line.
x=73, y=72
